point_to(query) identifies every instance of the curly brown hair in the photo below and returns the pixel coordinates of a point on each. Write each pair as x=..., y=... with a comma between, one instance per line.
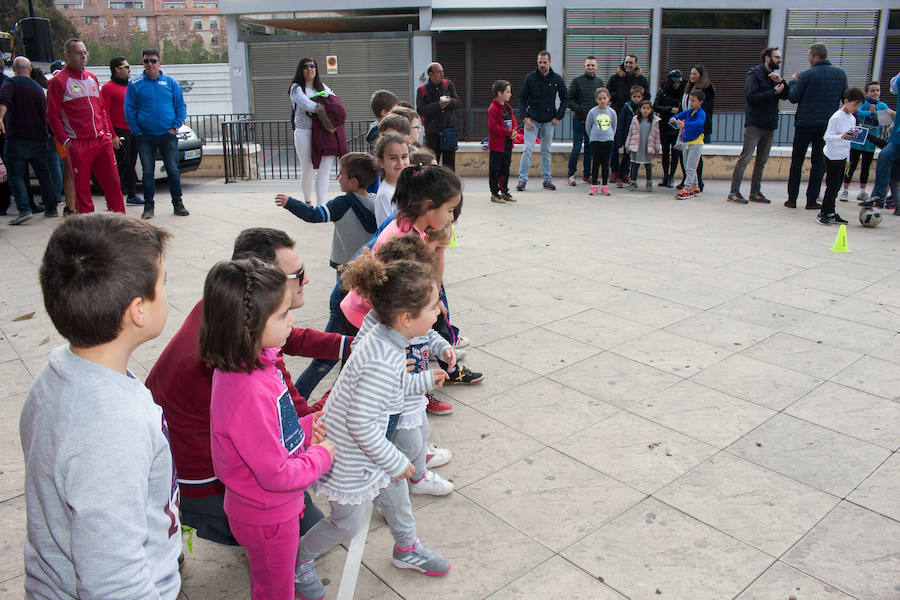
x=393, y=288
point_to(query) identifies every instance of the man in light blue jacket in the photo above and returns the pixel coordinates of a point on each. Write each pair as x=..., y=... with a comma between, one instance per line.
x=155, y=109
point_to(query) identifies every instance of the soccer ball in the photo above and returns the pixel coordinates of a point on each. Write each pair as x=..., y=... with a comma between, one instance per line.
x=869, y=217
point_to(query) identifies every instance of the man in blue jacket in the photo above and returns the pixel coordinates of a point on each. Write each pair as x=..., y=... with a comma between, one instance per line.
x=537, y=106
x=817, y=92
x=155, y=109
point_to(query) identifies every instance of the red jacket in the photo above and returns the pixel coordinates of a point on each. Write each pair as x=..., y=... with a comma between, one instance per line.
x=113, y=96
x=181, y=384
x=74, y=108
x=498, y=132
x=328, y=137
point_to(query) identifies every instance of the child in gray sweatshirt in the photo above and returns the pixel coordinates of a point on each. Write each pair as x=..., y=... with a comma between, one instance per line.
x=601, y=131
x=100, y=491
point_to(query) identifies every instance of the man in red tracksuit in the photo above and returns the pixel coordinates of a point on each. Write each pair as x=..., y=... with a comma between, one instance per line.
x=182, y=385
x=79, y=122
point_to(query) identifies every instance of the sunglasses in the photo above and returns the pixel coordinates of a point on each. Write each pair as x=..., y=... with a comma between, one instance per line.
x=151, y=61
x=124, y=67
x=299, y=275
x=309, y=66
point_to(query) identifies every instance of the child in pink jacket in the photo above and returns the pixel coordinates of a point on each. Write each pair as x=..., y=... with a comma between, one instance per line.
x=263, y=453
x=643, y=142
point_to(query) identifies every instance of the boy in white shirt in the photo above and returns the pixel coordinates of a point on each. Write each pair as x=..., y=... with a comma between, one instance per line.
x=837, y=151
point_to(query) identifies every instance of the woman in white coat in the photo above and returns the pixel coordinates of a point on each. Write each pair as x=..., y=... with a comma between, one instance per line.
x=306, y=83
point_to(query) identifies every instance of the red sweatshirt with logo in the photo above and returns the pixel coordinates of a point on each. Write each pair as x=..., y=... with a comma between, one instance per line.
x=74, y=107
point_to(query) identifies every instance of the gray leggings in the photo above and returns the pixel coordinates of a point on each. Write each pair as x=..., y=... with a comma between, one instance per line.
x=347, y=519
x=414, y=444
x=691, y=155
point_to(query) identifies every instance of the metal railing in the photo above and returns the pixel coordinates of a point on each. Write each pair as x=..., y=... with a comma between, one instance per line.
x=264, y=149
x=209, y=127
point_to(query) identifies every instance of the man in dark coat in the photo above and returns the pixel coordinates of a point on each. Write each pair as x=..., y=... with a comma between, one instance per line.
x=763, y=89
x=817, y=92
x=581, y=101
x=540, y=114
x=436, y=103
x=628, y=74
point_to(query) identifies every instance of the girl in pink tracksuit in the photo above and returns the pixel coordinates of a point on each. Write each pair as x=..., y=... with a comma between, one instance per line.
x=263, y=453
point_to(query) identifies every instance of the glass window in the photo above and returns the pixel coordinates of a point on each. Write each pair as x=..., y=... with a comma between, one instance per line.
x=198, y=24
x=722, y=19
x=213, y=23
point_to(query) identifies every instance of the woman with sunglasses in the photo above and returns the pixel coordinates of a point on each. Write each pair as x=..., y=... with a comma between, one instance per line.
x=305, y=85
x=113, y=95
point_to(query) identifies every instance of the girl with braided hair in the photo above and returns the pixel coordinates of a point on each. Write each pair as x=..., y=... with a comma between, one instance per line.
x=264, y=454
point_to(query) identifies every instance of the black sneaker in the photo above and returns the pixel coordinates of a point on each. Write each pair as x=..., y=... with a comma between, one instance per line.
x=148, y=212
x=872, y=201
x=548, y=185
x=520, y=186
x=823, y=219
x=758, y=197
x=836, y=218
x=813, y=206
x=180, y=210
x=67, y=211
x=790, y=203
x=51, y=213
x=737, y=198
x=508, y=197
x=464, y=375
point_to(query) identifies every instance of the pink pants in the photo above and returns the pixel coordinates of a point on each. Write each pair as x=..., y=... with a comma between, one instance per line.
x=95, y=156
x=272, y=554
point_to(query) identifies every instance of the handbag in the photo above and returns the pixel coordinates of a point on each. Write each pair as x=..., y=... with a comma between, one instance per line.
x=449, y=139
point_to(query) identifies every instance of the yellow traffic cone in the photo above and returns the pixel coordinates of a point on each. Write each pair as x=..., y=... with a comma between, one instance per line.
x=840, y=241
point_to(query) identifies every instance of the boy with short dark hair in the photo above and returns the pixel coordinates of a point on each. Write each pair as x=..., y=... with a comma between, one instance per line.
x=841, y=127
x=97, y=456
x=394, y=123
x=691, y=123
x=501, y=133
x=623, y=120
x=381, y=102
x=353, y=214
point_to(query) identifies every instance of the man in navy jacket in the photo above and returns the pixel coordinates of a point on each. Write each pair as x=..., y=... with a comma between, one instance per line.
x=155, y=109
x=817, y=92
x=537, y=107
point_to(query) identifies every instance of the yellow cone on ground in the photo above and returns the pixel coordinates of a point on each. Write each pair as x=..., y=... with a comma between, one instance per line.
x=840, y=241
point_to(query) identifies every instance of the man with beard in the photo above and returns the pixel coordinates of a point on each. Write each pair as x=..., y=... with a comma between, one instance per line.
x=113, y=95
x=581, y=101
x=763, y=89
x=627, y=75
x=537, y=107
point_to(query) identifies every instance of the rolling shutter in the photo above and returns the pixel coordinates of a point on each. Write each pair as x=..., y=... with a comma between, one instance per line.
x=727, y=58
x=849, y=35
x=605, y=34
x=365, y=65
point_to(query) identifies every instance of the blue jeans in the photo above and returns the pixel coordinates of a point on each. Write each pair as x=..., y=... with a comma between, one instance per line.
x=888, y=156
x=545, y=132
x=579, y=140
x=17, y=155
x=167, y=144
x=55, y=164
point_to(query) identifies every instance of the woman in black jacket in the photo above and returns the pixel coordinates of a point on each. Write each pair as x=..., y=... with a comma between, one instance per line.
x=666, y=104
x=699, y=80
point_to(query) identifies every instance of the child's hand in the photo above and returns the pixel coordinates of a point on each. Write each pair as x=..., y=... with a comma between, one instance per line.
x=410, y=365
x=281, y=199
x=847, y=134
x=328, y=446
x=513, y=133
x=409, y=472
x=440, y=376
x=450, y=357
x=318, y=434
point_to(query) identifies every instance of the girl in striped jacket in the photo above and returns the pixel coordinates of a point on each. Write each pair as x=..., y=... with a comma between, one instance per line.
x=371, y=387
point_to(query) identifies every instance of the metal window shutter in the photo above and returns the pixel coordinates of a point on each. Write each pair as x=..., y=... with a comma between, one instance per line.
x=452, y=56
x=609, y=51
x=832, y=19
x=727, y=59
x=853, y=54
x=364, y=65
x=592, y=17
x=889, y=68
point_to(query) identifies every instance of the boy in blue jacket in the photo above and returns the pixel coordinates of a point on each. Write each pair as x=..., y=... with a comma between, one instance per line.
x=691, y=122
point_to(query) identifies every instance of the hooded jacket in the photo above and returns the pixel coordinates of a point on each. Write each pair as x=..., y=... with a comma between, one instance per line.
x=328, y=137
x=620, y=84
x=762, y=100
x=498, y=130
x=817, y=93
x=654, y=146
x=537, y=98
x=581, y=95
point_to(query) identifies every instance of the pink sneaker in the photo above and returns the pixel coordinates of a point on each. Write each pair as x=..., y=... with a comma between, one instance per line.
x=604, y=190
x=593, y=190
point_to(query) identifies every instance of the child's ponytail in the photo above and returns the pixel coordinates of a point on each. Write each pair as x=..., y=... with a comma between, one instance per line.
x=391, y=289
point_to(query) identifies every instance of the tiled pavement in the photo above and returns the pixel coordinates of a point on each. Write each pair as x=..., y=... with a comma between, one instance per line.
x=685, y=400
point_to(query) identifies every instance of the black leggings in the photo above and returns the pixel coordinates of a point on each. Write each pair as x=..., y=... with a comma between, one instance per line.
x=863, y=168
x=668, y=146
x=648, y=168
x=600, y=159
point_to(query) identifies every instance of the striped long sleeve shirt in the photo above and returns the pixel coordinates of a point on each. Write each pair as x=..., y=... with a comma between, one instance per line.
x=368, y=390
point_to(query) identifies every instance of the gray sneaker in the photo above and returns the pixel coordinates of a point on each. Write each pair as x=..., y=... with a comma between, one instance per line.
x=20, y=218
x=421, y=558
x=307, y=585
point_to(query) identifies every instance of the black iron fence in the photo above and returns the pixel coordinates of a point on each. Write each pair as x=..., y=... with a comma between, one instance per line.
x=209, y=127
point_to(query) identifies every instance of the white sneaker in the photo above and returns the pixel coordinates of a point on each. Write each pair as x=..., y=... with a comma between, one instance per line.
x=437, y=457
x=845, y=196
x=862, y=196
x=431, y=484
x=462, y=341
